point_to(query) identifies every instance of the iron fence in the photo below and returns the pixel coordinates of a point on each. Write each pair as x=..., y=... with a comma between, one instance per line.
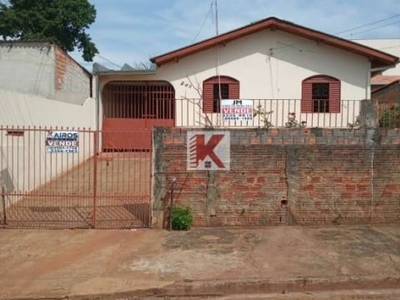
x=57, y=178
x=271, y=113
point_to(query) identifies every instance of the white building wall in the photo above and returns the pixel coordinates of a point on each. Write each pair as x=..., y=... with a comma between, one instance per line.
x=269, y=65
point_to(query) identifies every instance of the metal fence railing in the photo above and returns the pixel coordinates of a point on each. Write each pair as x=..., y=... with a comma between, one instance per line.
x=57, y=178
x=272, y=113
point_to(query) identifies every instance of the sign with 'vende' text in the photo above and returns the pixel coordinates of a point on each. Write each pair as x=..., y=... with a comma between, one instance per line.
x=62, y=142
x=237, y=110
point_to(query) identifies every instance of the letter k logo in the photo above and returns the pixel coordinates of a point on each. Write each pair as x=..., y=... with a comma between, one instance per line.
x=203, y=150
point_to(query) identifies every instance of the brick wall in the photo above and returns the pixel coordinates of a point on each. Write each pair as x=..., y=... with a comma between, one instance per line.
x=284, y=176
x=72, y=82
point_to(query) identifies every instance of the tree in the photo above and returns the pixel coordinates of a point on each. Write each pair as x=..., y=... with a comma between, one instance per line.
x=63, y=22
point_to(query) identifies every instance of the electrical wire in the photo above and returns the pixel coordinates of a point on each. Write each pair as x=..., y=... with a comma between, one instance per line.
x=368, y=24
x=204, y=22
x=336, y=34
x=360, y=32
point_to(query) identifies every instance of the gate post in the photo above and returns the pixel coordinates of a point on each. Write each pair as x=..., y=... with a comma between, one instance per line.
x=3, y=200
x=95, y=153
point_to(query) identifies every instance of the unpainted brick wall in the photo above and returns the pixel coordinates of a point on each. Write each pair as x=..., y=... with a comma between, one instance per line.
x=72, y=83
x=284, y=176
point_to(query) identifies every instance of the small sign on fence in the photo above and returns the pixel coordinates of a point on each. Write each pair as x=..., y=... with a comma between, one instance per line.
x=62, y=142
x=237, y=110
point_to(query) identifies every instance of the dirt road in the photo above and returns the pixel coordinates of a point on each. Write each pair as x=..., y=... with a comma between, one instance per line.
x=277, y=260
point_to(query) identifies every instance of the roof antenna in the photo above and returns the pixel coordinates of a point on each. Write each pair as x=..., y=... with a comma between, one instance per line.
x=217, y=33
x=216, y=17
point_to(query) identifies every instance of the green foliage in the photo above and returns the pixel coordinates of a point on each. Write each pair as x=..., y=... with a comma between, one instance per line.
x=390, y=118
x=61, y=21
x=182, y=218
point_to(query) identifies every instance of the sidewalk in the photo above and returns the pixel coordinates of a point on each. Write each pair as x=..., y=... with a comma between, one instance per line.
x=201, y=261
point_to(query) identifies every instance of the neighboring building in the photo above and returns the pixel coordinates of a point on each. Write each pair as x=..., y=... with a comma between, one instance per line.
x=391, y=46
x=385, y=86
x=42, y=89
x=41, y=85
x=380, y=81
x=279, y=65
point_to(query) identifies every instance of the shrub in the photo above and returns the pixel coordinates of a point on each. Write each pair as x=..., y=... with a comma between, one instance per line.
x=182, y=218
x=390, y=118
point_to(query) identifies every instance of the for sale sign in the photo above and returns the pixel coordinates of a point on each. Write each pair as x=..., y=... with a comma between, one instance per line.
x=62, y=142
x=237, y=110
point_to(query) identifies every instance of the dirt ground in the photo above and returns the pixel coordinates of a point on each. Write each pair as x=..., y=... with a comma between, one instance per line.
x=286, y=262
x=122, y=196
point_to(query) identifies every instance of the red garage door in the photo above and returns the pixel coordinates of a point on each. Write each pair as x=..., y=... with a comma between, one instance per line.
x=131, y=109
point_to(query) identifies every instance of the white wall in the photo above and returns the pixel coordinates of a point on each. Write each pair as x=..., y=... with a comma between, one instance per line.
x=27, y=68
x=18, y=109
x=24, y=158
x=269, y=65
x=391, y=46
x=44, y=70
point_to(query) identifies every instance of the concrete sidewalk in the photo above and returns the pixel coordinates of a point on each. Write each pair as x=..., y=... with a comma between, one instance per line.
x=37, y=264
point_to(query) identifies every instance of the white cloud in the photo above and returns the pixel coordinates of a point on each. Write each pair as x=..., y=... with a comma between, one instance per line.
x=129, y=31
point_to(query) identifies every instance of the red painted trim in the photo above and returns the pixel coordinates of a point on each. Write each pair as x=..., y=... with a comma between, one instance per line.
x=378, y=58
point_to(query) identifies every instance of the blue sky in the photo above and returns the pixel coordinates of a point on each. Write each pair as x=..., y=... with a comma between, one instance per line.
x=132, y=31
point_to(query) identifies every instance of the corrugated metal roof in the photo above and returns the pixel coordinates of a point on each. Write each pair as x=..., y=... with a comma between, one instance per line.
x=126, y=69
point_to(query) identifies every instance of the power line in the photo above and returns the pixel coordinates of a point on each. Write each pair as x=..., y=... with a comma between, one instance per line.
x=204, y=22
x=106, y=59
x=368, y=24
x=361, y=26
x=374, y=28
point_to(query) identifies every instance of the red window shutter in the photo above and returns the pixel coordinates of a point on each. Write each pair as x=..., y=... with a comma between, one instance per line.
x=234, y=90
x=334, y=97
x=306, y=97
x=208, y=97
x=307, y=105
x=208, y=90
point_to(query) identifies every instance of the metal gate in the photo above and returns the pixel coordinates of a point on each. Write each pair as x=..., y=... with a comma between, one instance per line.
x=56, y=178
x=135, y=104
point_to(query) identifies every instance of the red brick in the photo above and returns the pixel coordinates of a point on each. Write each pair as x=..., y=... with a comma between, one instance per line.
x=308, y=187
x=250, y=180
x=392, y=187
x=260, y=180
x=350, y=187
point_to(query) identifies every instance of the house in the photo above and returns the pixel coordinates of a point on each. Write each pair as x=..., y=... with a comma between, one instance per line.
x=385, y=88
x=279, y=66
x=391, y=46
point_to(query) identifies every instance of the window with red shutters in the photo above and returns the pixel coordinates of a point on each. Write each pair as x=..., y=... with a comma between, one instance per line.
x=216, y=88
x=320, y=94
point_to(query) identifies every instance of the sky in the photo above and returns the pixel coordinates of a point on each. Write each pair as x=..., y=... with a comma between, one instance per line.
x=133, y=31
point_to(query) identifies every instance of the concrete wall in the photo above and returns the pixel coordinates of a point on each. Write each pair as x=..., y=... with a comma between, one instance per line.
x=24, y=162
x=284, y=176
x=41, y=88
x=44, y=70
x=269, y=65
